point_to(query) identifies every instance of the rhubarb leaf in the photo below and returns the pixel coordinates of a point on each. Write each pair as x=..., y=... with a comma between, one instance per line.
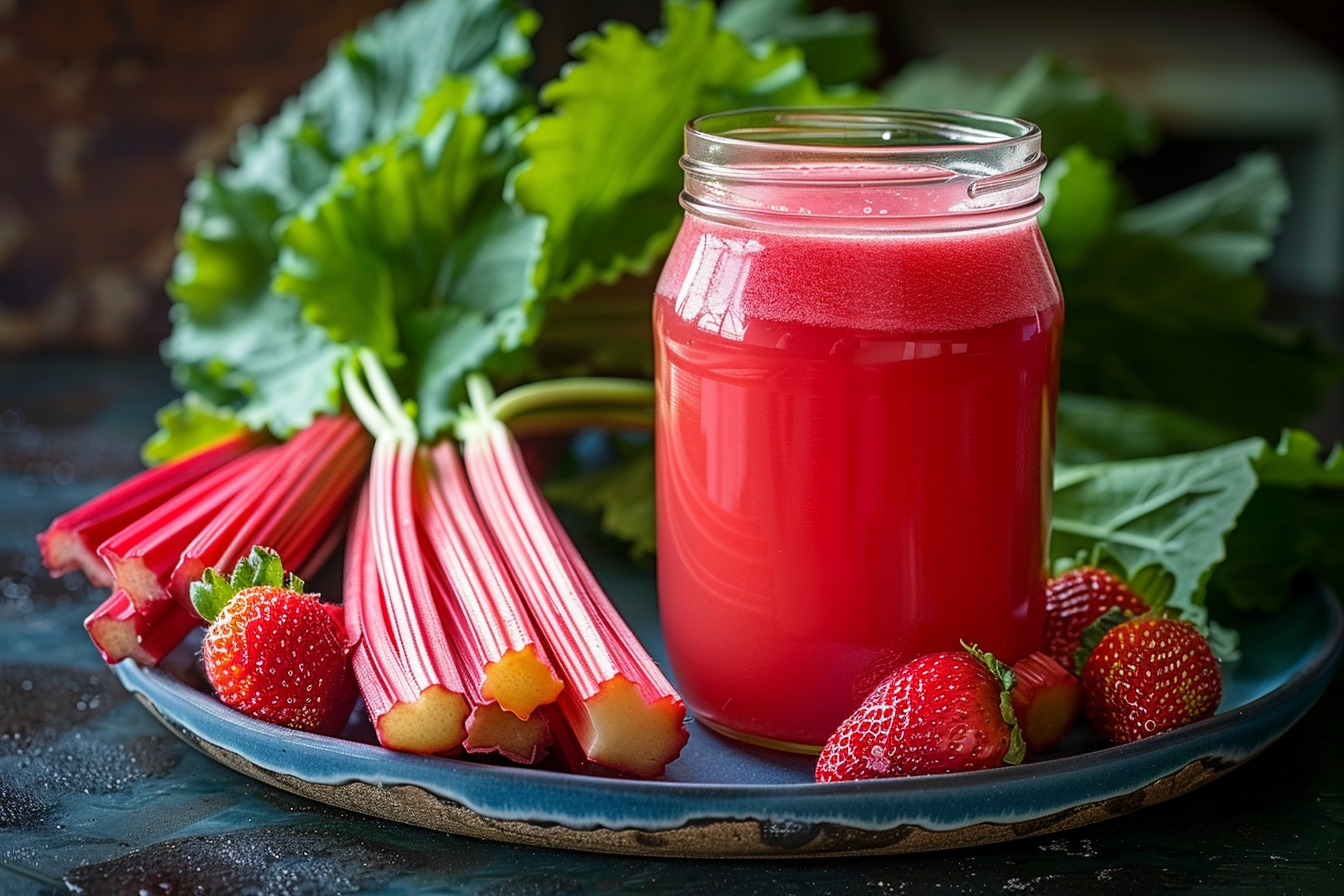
x=1069, y=106
x=622, y=495
x=186, y=425
x=1163, y=308
x=1228, y=221
x=839, y=46
x=261, y=360
x=602, y=166
x=1294, y=523
x=1173, y=512
x=412, y=253
x=1080, y=193
x=1094, y=428
x=238, y=344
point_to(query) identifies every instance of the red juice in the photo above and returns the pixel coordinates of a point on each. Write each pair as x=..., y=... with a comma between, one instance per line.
x=854, y=442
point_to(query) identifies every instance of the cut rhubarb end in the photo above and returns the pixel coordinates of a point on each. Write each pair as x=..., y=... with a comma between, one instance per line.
x=612, y=687
x=434, y=723
x=496, y=645
x=290, y=507
x=71, y=541
x=520, y=682
x=120, y=631
x=626, y=733
x=64, y=551
x=492, y=729
x=1047, y=700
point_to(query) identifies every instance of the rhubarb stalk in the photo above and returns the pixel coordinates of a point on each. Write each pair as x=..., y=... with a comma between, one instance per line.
x=405, y=668
x=290, y=507
x=495, y=640
x=142, y=556
x=120, y=631
x=619, y=706
x=71, y=541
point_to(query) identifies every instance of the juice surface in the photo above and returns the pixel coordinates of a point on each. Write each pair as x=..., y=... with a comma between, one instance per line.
x=854, y=440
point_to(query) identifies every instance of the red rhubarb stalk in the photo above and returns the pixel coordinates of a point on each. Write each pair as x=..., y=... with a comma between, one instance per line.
x=120, y=631
x=289, y=507
x=620, y=707
x=142, y=556
x=499, y=649
x=71, y=541
x=404, y=666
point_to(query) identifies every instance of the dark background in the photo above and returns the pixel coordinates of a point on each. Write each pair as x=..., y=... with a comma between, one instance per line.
x=107, y=106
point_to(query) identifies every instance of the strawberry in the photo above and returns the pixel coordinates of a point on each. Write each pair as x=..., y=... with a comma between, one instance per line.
x=1150, y=675
x=1047, y=699
x=272, y=651
x=942, y=712
x=1075, y=600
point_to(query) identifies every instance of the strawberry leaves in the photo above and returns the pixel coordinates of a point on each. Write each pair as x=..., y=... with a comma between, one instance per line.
x=261, y=568
x=1017, y=747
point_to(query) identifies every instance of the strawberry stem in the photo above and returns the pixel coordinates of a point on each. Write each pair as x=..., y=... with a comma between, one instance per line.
x=1017, y=747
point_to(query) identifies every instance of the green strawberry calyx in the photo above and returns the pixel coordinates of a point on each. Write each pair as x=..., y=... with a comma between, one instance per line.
x=260, y=568
x=1017, y=747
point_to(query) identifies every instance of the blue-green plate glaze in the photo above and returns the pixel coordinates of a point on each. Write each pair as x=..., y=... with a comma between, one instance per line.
x=725, y=799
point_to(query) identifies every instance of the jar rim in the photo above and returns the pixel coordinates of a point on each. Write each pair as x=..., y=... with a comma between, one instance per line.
x=826, y=162
x=845, y=129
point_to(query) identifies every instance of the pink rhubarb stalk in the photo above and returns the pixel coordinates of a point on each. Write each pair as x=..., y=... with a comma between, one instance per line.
x=142, y=556
x=289, y=507
x=405, y=668
x=120, y=631
x=496, y=643
x=621, y=709
x=71, y=541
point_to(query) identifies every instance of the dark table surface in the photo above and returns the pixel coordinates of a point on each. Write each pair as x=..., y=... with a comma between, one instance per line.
x=96, y=797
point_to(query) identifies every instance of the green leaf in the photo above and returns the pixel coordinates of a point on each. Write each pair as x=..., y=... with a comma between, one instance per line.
x=1149, y=320
x=1070, y=107
x=1296, y=461
x=412, y=253
x=262, y=568
x=211, y=594
x=839, y=46
x=1229, y=221
x=1093, y=428
x=1173, y=512
x=602, y=166
x=237, y=344
x=186, y=425
x=261, y=360
x=1017, y=747
x=622, y=494
x=1294, y=523
x=1091, y=636
x=1080, y=197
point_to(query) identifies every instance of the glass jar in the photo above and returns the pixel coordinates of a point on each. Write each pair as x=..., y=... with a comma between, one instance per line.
x=857, y=351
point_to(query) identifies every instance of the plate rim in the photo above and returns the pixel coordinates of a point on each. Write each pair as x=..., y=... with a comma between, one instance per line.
x=764, y=801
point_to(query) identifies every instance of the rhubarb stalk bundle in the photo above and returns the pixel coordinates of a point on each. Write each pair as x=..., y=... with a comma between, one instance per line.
x=445, y=655
x=149, y=537
x=620, y=708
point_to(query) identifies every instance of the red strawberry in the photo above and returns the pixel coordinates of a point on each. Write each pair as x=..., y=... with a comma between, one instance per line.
x=1047, y=700
x=1075, y=600
x=272, y=651
x=1150, y=675
x=943, y=712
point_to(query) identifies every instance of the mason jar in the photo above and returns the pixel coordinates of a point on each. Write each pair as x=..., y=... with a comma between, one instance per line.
x=857, y=338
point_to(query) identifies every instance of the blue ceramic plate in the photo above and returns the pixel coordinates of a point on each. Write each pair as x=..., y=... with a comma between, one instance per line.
x=725, y=799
